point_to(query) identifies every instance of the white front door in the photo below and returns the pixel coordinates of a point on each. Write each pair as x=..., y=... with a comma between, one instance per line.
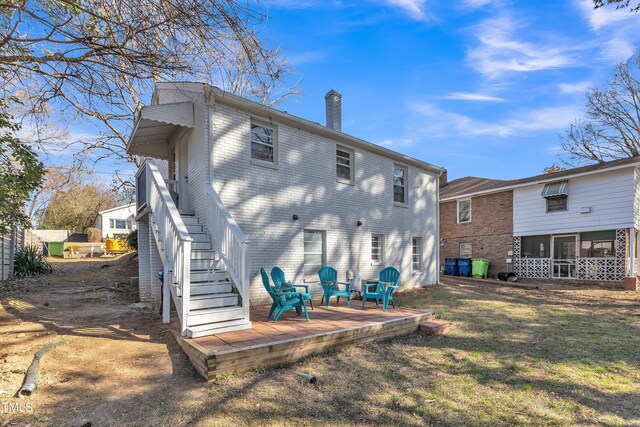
x=563, y=256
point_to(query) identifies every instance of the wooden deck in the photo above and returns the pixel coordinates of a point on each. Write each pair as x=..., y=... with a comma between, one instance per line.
x=291, y=338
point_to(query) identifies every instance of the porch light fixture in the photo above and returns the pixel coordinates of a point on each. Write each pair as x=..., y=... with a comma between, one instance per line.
x=359, y=223
x=295, y=217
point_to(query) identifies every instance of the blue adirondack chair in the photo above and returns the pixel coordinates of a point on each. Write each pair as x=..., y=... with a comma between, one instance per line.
x=329, y=281
x=383, y=290
x=277, y=275
x=283, y=301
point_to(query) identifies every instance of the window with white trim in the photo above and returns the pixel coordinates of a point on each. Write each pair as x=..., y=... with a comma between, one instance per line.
x=416, y=254
x=464, y=211
x=119, y=224
x=400, y=184
x=377, y=248
x=314, y=251
x=263, y=143
x=344, y=164
x=466, y=250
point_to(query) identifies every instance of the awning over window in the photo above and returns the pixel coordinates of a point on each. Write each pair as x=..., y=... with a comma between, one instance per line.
x=555, y=189
x=155, y=127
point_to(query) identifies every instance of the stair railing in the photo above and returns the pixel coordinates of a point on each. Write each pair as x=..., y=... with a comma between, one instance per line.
x=230, y=244
x=174, y=245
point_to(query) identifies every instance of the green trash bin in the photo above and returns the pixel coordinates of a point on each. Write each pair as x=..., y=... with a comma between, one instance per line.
x=56, y=249
x=479, y=267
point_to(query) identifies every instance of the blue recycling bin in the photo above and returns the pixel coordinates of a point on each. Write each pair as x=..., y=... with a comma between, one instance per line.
x=451, y=266
x=464, y=267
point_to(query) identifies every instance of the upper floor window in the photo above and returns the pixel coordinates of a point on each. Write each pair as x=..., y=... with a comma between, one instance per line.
x=377, y=245
x=263, y=143
x=555, y=194
x=464, y=211
x=555, y=204
x=344, y=164
x=400, y=184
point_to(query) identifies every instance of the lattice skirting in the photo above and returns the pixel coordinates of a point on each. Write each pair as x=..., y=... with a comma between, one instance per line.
x=535, y=268
x=605, y=269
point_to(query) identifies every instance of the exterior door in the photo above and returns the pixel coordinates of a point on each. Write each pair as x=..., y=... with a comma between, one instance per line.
x=563, y=258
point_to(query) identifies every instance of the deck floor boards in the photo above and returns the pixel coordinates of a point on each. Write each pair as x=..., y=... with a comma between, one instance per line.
x=291, y=338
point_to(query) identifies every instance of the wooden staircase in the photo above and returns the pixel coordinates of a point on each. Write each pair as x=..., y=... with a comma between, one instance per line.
x=214, y=305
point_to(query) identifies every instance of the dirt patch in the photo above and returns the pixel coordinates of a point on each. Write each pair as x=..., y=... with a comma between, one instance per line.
x=112, y=353
x=547, y=356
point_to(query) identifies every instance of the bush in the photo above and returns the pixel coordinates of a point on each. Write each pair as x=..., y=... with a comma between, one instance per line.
x=30, y=261
x=132, y=240
x=94, y=235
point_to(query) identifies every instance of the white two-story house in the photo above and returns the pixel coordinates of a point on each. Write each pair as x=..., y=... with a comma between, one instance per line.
x=230, y=186
x=117, y=221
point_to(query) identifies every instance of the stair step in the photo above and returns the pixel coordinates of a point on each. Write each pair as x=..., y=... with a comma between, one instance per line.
x=214, y=315
x=210, y=288
x=207, y=276
x=194, y=228
x=217, y=328
x=200, y=237
x=204, y=264
x=190, y=220
x=202, y=253
x=200, y=246
x=213, y=300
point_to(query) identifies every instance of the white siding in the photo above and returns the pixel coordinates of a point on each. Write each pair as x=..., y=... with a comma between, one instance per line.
x=263, y=201
x=610, y=195
x=125, y=212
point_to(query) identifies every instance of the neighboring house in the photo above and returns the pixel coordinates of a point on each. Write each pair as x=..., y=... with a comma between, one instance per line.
x=256, y=187
x=117, y=221
x=574, y=224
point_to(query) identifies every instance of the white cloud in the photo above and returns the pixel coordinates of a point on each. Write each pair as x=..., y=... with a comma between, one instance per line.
x=437, y=122
x=500, y=52
x=617, y=49
x=467, y=96
x=475, y=4
x=306, y=57
x=399, y=142
x=603, y=16
x=578, y=87
x=414, y=8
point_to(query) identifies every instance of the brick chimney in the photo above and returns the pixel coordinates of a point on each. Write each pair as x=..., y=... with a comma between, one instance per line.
x=443, y=178
x=333, y=101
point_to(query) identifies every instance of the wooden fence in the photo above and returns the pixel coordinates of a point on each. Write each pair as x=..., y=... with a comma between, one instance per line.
x=10, y=243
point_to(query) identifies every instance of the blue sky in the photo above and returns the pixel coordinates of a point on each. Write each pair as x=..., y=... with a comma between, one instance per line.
x=480, y=87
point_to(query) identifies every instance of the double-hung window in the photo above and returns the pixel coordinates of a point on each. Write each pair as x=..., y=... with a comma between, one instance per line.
x=377, y=248
x=344, y=164
x=314, y=251
x=416, y=254
x=464, y=211
x=555, y=194
x=263, y=143
x=400, y=184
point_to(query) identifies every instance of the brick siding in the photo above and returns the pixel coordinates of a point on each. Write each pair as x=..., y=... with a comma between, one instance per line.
x=490, y=231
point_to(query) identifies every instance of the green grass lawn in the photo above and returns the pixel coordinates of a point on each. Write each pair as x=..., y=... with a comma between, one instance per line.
x=513, y=357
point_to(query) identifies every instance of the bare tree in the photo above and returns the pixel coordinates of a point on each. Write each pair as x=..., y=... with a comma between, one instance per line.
x=611, y=128
x=619, y=4
x=97, y=60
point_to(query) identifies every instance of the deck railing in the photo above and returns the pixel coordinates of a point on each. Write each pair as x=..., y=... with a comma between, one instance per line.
x=174, y=244
x=230, y=243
